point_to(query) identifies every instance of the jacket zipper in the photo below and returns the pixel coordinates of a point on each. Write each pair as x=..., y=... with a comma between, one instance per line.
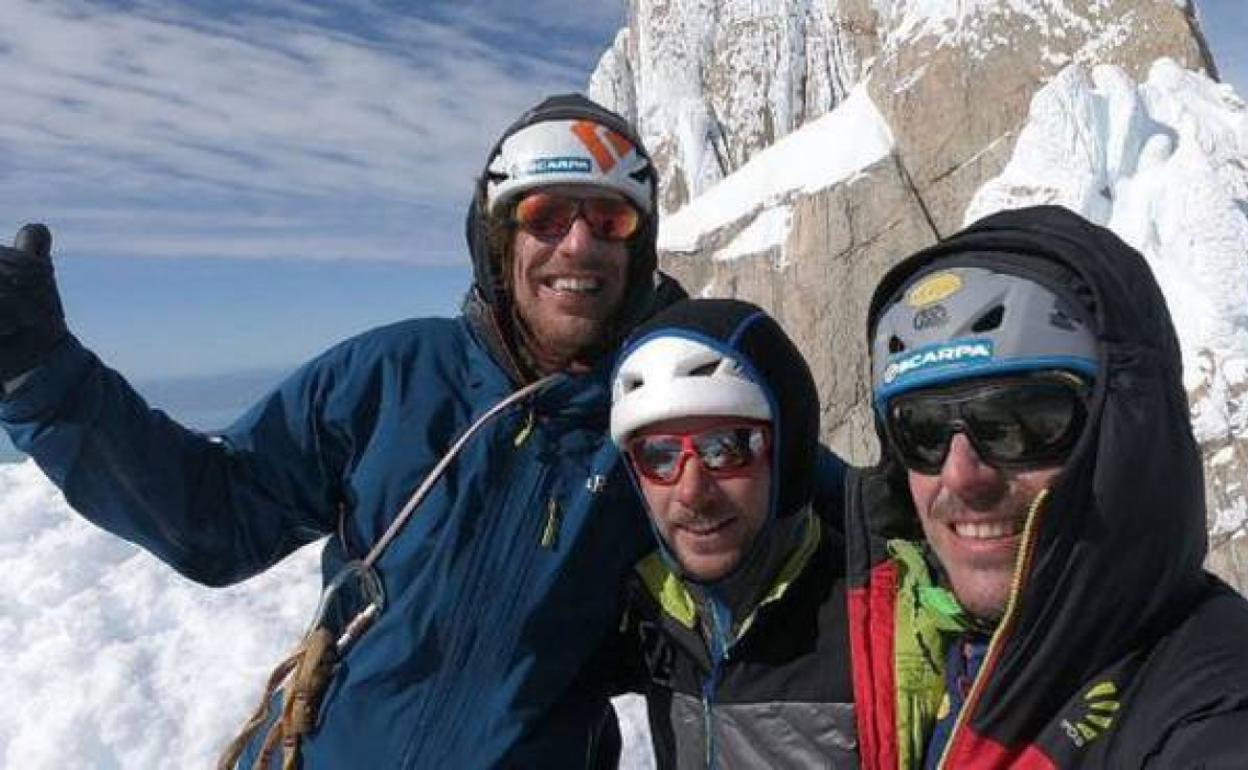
x=530, y=484
x=719, y=643
x=523, y=434
x=1022, y=567
x=554, y=519
x=554, y=515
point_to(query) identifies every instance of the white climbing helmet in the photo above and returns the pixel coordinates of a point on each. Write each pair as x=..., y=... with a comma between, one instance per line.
x=670, y=377
x=568, y=152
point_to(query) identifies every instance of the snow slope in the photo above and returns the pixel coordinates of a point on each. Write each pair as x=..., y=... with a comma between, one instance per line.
x=112, y=661
x=817, y=156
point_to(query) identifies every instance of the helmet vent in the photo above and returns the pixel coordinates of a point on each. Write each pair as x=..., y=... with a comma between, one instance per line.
x=629, y=384
x=895, y=345
x=705, y=370
x=990, y=320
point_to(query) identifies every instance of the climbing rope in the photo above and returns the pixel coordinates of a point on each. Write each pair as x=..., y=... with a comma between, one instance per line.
x=304, y=675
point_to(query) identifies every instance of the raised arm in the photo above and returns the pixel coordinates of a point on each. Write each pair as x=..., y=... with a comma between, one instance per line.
x=216, y=509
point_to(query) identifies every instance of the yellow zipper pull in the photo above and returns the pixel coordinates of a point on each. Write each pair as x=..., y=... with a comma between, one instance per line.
x=550, y=535
x=525, y=430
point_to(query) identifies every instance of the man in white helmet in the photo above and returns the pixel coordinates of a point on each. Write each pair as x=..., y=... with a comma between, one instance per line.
x=1025, y=563
x=736, y=625
x=493, y=596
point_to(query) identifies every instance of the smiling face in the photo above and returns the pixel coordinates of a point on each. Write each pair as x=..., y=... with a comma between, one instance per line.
x=567, y=289
x=707, y=522
x=973, y=516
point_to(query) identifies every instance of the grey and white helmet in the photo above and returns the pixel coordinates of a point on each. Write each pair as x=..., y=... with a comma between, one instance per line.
x=573, y=152
x=954, y=323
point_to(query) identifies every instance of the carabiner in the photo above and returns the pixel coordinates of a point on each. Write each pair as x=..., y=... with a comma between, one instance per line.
x=369, y=583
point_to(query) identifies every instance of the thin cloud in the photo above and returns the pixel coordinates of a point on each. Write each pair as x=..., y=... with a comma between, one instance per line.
x=339, y=120
x=563, y=27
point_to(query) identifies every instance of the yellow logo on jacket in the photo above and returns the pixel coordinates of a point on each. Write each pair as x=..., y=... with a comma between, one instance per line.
x=1096, y=714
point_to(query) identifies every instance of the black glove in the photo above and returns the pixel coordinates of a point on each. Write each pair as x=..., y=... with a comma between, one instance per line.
x=32, y=322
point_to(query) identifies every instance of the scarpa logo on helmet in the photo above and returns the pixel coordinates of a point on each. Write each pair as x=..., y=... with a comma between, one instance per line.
x=559, y=166
x=958, y=352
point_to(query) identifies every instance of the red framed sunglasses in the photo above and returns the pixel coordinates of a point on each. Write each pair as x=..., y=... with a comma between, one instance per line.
x=550, y=216
x=725, y=451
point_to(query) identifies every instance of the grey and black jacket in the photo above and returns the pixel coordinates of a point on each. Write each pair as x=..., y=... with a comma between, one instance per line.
x=779, y=695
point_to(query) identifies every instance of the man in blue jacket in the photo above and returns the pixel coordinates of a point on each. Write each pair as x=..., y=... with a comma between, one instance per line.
x=494, y=594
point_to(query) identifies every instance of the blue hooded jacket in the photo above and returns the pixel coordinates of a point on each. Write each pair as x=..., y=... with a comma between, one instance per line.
x=498, y=590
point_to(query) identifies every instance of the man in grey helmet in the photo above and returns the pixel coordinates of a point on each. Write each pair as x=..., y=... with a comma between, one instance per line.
x=1026, y=588
x=490, y=601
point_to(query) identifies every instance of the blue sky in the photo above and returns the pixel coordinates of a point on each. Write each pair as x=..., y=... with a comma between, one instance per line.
x=1225, y=23
x=237, y=185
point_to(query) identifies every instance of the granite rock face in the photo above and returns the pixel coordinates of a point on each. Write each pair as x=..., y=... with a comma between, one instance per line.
x=956, y=89
x=709, y=83
x=712, y=86
x=818, y=283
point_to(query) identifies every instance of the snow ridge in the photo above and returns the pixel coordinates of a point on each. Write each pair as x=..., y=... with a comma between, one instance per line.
x=819, y=155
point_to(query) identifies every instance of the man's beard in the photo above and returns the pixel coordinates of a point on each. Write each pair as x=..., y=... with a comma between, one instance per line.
x=546, y=352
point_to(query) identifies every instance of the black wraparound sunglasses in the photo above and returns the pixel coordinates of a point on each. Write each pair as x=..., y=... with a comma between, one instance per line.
x=1027, y=421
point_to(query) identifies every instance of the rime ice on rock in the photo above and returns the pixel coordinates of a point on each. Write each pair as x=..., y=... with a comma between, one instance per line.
x=713, y=83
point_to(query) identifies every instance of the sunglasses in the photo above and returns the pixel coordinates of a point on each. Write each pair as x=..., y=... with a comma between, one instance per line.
x=724, y=451
x=549, y=216
x=1018, y=422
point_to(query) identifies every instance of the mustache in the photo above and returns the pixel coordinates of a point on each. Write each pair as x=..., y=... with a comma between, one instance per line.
x=949, y=507
x=712, y=514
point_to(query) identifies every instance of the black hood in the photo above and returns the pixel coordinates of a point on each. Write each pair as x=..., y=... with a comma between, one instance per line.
x=488, y=304
x=1114, y=554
